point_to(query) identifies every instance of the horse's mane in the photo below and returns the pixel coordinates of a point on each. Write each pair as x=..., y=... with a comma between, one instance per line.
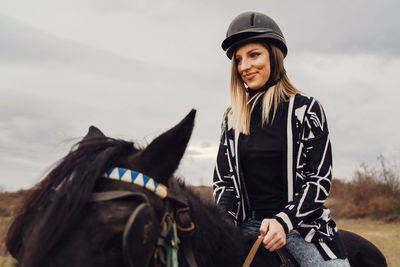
x=55, y=201
x=214, y=229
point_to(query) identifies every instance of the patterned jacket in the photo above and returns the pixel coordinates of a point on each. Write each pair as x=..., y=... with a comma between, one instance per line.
x=307, y=180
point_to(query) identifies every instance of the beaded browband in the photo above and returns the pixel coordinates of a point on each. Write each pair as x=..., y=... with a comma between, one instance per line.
x=137, y=178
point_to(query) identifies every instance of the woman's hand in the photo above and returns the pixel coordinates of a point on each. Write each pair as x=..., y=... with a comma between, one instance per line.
x=273, y=233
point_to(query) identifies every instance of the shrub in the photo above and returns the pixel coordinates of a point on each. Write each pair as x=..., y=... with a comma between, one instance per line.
x=373, y=192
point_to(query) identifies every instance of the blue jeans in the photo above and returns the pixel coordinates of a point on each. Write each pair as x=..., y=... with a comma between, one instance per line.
x=305, y=253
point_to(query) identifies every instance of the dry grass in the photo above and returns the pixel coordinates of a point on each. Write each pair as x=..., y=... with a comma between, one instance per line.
x=5, y=259
x=386, y=236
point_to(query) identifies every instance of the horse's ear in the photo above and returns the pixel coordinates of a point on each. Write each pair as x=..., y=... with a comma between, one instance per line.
x=161, y=157
x=93, y=132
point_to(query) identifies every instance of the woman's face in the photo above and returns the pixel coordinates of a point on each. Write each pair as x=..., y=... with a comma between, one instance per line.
x=252, y=61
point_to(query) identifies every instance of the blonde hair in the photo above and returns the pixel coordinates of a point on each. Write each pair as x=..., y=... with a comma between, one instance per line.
x=243, y=105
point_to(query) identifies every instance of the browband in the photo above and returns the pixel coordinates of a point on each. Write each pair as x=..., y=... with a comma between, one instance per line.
x=137, y=178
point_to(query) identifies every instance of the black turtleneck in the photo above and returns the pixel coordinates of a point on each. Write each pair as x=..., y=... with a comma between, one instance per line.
x=261, y=157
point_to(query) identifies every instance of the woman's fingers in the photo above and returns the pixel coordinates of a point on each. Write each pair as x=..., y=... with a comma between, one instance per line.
x=274, y=240
x=277, y=245
x=275, y=236
x=264, y=227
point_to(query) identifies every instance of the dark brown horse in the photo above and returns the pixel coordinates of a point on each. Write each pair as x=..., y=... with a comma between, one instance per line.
x=78, y=217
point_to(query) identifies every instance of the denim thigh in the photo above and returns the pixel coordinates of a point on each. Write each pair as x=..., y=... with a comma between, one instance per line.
x=251, y=225
x=305, y=253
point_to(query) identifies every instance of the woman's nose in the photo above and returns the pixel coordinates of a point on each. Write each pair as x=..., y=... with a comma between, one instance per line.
x=244, y=65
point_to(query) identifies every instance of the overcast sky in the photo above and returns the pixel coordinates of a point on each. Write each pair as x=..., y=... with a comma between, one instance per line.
x=135, y=68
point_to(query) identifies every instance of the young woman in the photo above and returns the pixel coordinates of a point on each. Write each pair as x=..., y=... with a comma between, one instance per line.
x=273, y=170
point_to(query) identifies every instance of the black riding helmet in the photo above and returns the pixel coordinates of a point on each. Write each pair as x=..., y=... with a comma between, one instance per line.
x=253, y=26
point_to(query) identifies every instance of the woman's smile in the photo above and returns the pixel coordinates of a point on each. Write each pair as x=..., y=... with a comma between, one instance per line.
x=250, y=75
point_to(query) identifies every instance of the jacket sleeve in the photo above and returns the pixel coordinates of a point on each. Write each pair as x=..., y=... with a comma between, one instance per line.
x=315, y=162
x=224, y=188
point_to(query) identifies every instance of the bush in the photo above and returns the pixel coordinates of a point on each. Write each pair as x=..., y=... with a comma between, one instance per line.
x=10, y=202
x=373, y=192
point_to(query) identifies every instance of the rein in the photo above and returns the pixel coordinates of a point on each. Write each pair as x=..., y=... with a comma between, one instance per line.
x=176, y=224
x=252, y=252
x=285, y=261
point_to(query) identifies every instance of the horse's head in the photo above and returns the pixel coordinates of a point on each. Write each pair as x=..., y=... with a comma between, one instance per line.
x=77, y=216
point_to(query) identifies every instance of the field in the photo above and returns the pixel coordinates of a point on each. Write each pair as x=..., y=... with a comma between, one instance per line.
x=5, y=260
x=386, y=236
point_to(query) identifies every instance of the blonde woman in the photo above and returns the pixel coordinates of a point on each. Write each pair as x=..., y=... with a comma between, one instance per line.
x=273, y=170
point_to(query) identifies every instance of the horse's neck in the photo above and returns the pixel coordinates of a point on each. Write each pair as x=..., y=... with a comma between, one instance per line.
x=219, y=239
x=216, y=237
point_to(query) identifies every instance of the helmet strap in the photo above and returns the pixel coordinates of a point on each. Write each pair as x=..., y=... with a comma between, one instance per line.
x=271, y=62
x=266, y=86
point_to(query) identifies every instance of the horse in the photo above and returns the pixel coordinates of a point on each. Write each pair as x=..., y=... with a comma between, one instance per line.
x=110, y=202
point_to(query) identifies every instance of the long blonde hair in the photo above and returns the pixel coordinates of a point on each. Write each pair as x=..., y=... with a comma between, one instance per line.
x=243, y=105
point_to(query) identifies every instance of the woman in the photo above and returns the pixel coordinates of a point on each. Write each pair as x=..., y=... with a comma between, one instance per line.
x=273, y=170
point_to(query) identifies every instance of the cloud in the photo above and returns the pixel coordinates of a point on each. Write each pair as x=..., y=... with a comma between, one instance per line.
x=135, y=68
x=32, y=138
x=48, y=100
x=359, y=94
x=202, y=152
x=366, y=27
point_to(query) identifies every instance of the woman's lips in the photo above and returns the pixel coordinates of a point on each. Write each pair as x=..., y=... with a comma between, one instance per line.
x=250, y=75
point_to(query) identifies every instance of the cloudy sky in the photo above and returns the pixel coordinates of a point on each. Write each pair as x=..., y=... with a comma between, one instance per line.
x=134, y=68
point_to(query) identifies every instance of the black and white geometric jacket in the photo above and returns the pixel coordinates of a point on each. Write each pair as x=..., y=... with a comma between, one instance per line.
x=307, y=179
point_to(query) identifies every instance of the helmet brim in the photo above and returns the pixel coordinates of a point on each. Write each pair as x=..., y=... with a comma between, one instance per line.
x=232, y=42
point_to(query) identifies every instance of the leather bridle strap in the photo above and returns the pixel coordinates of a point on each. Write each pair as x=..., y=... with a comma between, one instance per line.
x=286, y=262
x=172, y=201
x=110, y=195
x=252, y=252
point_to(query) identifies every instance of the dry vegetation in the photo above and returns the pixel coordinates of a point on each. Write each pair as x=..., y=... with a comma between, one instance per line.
x=384, y=235
x=369, y=205
x=374, y=192
x=8, y=206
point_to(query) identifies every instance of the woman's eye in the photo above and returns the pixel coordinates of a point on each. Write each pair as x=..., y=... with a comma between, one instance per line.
x=255, y=54
x=237, y=60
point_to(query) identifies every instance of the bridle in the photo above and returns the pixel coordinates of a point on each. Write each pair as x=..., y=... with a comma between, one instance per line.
x=172, y=233
x=144, y=238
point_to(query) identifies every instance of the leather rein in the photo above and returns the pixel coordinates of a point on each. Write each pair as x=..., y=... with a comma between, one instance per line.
x=176, y=224
x=285, y=262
